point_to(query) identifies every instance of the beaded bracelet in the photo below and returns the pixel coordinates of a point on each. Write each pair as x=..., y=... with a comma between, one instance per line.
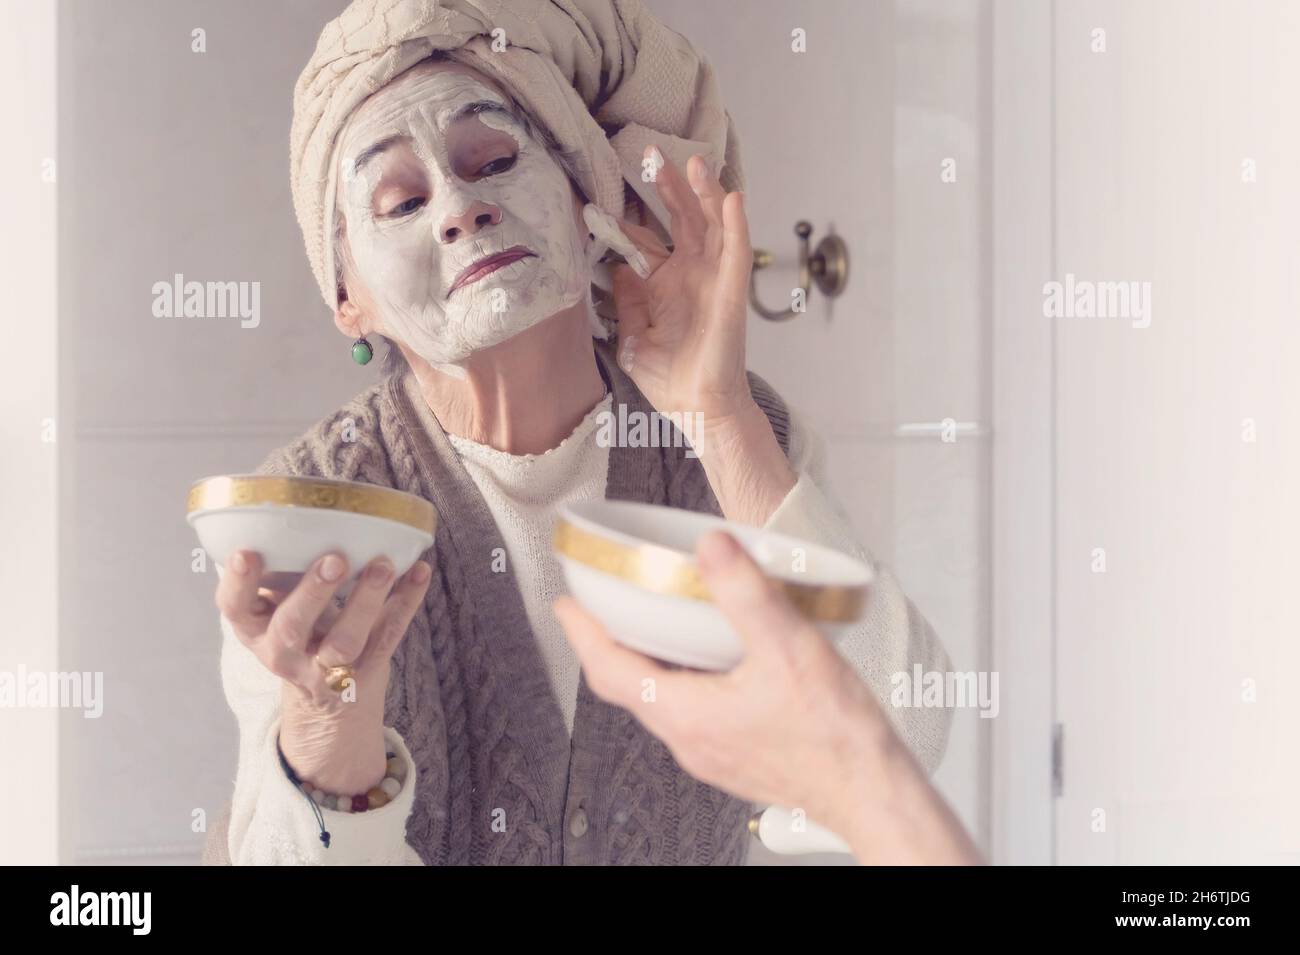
x=381, y=795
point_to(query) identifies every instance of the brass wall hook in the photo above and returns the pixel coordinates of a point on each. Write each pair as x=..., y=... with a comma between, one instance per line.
x=827, y=266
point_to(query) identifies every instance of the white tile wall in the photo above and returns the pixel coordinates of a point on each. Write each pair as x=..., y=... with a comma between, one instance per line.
x=143, y=616
x=171, y=161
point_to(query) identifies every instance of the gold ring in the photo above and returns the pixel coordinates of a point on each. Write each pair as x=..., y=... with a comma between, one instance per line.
x=337, y=677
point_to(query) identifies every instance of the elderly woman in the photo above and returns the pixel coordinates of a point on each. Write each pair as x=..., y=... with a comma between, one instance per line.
x=457, y=174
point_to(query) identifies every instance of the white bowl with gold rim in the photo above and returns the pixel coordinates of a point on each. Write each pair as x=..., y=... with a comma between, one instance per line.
x=633, y=567
x=291, y=521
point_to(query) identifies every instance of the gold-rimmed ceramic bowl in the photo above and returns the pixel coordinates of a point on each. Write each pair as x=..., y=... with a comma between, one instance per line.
x=291, y=521
x=633, y=567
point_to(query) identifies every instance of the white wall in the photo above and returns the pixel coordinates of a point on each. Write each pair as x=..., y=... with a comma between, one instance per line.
x=940, y=316
x=171, y=161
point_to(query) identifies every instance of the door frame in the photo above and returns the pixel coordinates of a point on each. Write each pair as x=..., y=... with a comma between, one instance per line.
x=1022, y=364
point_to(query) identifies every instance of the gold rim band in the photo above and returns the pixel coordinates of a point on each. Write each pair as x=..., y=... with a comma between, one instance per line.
x=666, y=571
x=319, y=493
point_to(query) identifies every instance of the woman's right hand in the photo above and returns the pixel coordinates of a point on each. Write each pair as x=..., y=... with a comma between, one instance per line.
x=333, y=740
x=792, y=724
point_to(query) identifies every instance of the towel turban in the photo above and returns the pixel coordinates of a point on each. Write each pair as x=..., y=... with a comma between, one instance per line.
x=581, y=67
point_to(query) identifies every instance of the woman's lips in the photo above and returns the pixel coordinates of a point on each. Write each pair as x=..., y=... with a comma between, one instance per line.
x=489, y=264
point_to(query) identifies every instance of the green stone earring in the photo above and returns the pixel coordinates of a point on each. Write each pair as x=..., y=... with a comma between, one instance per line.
x=362, y=352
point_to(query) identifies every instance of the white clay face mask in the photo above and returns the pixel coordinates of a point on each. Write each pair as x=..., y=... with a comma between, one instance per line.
x=461, y=226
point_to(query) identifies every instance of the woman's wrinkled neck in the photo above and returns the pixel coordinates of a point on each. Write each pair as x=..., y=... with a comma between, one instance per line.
x=524, y=395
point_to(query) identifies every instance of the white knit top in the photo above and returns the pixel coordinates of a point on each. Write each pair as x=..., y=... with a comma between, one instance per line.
x=524, y=493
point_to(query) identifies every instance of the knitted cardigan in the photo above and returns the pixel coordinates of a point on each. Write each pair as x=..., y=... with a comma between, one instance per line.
x=469, y=692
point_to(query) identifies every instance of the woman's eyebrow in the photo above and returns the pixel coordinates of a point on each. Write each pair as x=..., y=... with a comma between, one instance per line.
x=373, y=150
x=466, y=109
x=479, y=106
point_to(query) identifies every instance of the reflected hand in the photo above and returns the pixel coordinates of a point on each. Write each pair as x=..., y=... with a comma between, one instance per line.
x=333, y=741
x=682, y=330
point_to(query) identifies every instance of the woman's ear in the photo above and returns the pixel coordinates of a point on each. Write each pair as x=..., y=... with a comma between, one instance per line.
x=348, y=318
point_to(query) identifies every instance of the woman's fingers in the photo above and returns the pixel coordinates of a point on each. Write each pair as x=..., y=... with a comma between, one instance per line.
x=350, y=630
x=398, y=612
x=761, y=614
x=710, y=193
x=237, y=598
x=724, y=333
x=737, y=259
x=614, y=672
x=294, y=622
x=689, y=225
x=647, y=240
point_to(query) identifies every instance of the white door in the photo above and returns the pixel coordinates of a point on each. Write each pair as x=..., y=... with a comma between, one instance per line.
x=1177, y=138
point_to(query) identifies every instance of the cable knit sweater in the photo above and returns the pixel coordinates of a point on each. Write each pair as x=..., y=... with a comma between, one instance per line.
x=500, y=773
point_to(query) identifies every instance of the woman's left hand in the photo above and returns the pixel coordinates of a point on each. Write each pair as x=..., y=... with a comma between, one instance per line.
x=682, y=331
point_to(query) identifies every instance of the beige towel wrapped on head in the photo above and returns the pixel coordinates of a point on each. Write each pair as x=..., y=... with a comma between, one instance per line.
x=575, y=64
